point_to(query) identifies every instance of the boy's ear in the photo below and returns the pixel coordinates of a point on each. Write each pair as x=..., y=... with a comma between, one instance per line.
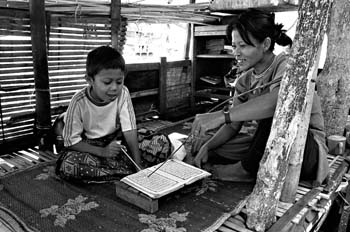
x=89, y=79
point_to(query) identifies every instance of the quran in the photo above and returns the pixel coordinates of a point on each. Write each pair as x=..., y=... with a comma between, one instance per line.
x=173, y=175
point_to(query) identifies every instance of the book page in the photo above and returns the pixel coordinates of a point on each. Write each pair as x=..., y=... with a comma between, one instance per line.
x=155, y=186
x=181, y=170
x=170, y=177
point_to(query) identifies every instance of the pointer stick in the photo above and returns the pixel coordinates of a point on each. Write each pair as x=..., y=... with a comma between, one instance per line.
x=170, y=156
x=137, y=166
x=231, y=98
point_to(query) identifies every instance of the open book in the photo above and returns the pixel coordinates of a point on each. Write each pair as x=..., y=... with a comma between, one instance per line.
x=173, y=175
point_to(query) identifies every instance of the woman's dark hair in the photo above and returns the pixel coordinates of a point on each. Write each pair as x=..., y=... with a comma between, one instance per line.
x=260, y=25
x=103, y=57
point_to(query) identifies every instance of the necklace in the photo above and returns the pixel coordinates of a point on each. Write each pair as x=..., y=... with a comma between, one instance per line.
x=258, y=76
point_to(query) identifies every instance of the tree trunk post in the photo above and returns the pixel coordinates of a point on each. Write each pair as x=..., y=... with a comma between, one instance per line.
x=296, y=87
x=291, y=182
x=334, y=80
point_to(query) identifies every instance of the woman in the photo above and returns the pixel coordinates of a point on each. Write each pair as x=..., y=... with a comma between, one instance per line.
x=253, y=37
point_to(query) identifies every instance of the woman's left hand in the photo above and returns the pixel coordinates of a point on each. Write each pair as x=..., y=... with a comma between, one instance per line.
x=205, y=122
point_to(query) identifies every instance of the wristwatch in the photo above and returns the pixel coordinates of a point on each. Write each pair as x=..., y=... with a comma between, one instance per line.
x=226, y=112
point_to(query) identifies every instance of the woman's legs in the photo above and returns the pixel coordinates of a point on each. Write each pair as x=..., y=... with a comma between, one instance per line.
x=252, y=160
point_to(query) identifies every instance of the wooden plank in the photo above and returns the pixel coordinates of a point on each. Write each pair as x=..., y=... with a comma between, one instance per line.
x=336, y=177
x=271, y=5
x=27, y=157
x=142, y=67
x=14, y=13
x=6, y=167
x=43, y=155
x=143, y=93
x=22, y=161
x=235, y=226
x=10, y=160
x=179, y=63
x=162, y=86
x=294, y=210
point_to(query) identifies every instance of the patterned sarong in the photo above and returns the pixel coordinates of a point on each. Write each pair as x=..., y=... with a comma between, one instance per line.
x=83, y=166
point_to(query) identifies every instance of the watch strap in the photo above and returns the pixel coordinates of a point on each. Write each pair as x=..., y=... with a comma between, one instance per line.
x=227, y=116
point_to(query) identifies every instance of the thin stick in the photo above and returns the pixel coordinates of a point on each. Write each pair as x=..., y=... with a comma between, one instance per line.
x=170, y=156
x=137, y=166
x=190, y=135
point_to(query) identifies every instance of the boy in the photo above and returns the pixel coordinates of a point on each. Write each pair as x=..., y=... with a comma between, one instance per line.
x=95, y=115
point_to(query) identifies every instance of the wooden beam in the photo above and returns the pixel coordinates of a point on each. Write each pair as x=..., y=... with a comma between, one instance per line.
x=297, y=86
x=189, y=36
x=229, y=5
x=41, y=75
x=115, y=22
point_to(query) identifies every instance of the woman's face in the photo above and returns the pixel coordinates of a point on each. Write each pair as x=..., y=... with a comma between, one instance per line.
x=107, y=85
x=247, y=56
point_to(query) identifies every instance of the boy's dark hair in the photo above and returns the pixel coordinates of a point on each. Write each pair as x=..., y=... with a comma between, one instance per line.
x=103, y=57
x=260, y=25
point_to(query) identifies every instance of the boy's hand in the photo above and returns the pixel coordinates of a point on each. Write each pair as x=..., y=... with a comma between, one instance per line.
x=112, y=149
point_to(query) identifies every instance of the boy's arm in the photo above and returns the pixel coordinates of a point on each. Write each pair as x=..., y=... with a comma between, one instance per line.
x=86, y=147
x=133, y=144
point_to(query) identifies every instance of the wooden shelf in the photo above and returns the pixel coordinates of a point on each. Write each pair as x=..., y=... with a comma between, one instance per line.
x=212, y=30
x=208, y=94
x=216, y=56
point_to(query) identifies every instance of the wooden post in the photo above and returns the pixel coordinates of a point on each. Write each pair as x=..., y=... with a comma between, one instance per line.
x=115, y=22
x=334, y=80
x=194, y=72
x=41, y=75
x=292, y=106
x=189, y=36
x=162, y=86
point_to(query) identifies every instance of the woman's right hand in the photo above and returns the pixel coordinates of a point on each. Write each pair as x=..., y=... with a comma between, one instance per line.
x=202, y=156
x=112, y=149
x=198, y=143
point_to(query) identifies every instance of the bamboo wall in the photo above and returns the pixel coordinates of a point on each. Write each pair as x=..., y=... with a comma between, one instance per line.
x=69, y=40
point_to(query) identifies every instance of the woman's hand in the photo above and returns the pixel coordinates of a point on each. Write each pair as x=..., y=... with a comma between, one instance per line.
x=202, y=156
x=205, y=122
x=198, y=142
x=112, y=149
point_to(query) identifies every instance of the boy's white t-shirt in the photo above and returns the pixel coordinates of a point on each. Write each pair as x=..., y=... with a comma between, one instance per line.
x=96, y=120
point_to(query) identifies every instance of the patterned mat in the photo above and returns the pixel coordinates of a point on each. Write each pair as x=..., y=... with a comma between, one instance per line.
x=42, y=201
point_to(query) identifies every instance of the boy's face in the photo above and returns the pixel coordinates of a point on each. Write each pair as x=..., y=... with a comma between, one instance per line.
x=107, y=85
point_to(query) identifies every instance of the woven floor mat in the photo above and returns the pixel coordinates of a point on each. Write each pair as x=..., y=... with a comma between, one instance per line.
x=47, y=203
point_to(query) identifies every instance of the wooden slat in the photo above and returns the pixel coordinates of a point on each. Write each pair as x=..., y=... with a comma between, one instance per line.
x=60, y=41
x=294, y=210
x=236, y=227
x=226, y=229
x=81, y=30
x=14, y=13
x=12, y=161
